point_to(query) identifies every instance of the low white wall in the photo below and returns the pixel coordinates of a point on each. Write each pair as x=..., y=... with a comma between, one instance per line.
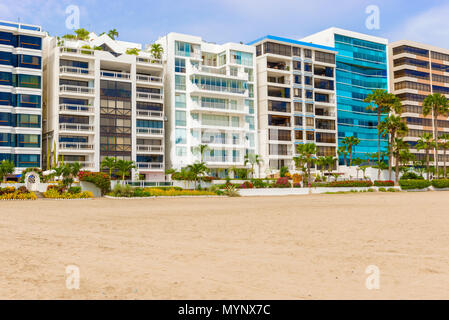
x=298, y=191
x=88, y=186
x=42, y=187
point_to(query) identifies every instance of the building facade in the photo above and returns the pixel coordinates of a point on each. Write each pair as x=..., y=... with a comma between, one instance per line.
x=296, y=100
x=417, y=70
x=210, y=100
x=21, y=94
x=362, y=66
x=103, y=99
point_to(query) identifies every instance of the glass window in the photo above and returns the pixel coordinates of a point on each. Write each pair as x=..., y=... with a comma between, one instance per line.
x=180, y=65
x=28, y=81
x=180, y=82
x=180, y=118
x=5, y=78
x=180, y=100
x=181, y=151
x=29, y=42
x=180, y=136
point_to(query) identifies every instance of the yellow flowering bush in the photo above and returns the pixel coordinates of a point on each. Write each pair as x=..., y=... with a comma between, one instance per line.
x=53, y=193
x=172, y=192
x=11, y=193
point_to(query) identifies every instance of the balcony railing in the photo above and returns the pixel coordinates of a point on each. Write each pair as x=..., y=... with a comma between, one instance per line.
x=150, y=165
x=76, y=70
x=150, y=131
x=148, y=96
x=148, y=60
x=83, y=164
x=149, y=79
x=222, y=159
x=76, y=89
x=210, y=87
x=219, y=106
x=150, y=114
x=76, y=127
x=76, y=146
x=88, y=52
x=75, y=108
x=115, y=75
x=143, y=148
x=325, y=113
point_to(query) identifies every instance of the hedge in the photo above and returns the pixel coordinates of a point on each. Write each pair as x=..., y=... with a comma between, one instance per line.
x=414, y=184
x=387, y=183
x=346, y=184
x=440, y=183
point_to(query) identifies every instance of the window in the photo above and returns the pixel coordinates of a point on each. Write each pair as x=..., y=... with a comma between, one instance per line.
x=412, y=50
x=276, y=48
x=180, y=118
x=6, y=58
x=28, y=160
x=215, y=120
x=410, y=61
x=5, y=99
x=243, y=58
x=28, y=121
x=28, y=81
x=29, y=42
x=28, y=140
x=180, y=65
x=28, y=101
x=181, y=151
x=180, y=136
x=325, y=57
x=235, y=121
x=5, y=78
x=180, y=100
x=411, y=85
x=27, y=61
x=296, y=65
x=413, y=74
x=308, y=53
x=440, y=56
x=153, y=124
x=250, y=121
x=296, y=51
x=180, y=82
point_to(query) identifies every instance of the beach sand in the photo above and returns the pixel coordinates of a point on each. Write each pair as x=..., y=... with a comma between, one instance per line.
x=295, y=247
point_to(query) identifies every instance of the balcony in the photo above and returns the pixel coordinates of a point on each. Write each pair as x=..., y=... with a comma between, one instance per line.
x=73, y=108
x=219, y=71
x=281, y=66
x=75, y=51
x=76, y=127
x=115, y=75
x=220, y=89
x=84, y=164
x=149, y=149
x=149, y=114
x=76, y=146
x=149, y=61
x=149, y=79
x=144, y=96
x=150, y=165
x=280, y=80
x=324, y=113
x=76, y=71
x=76, y=90
x=149, y=132
x=218, y=107
x=222, y=159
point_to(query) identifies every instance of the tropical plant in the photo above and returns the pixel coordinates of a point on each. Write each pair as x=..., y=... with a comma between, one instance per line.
x=6, y=167
x=197, y=170
x=201, y=149
x=283, y=171
x=436, y=104
x=382, y=102
x=401, y=153
x=253, y=160
x=426, y=143
x=113, y=34
x=306, y=152
x=124, y=168
x=156, y=51
x=445, y=146
x=343, y=151
x=350, y=143
x=82, y=34
x=133, y=51
x=110, y=163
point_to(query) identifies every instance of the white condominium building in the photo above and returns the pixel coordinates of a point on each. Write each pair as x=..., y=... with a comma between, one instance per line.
x=210, y=100
x=296, y=100
x=104, y=98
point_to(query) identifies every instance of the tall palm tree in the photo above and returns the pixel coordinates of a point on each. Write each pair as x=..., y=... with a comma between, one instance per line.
x=343, y=150
x=113, y=34
x=426, y=143
x=307, y=151
x=197, y=169
x=6, y=167
x=321, y=162
x=350, y=143
x=124, y=167
x=330, y=162
x=108, y=162
x=157, y=51
x=253, y=160
x=394, y=127
x=445, y=146
x=397, y=147
x=201, y=149
x=436, y=104
x=382, y=102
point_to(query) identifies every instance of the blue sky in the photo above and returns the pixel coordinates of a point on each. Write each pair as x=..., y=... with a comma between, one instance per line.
x=237, y=20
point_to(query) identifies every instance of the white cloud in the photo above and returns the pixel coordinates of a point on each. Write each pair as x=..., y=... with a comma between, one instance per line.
x=430, y=27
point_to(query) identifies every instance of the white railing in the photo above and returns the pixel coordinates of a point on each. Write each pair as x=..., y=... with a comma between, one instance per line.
x=143, y=148
x=150, y=165
x=286, y=82
x=150, y=131
x=219, y=106
x=148, y=60
x=148, y=96
x=76, y=89
x=213, y=70
x=115, y=75
x=150, y=114
x=149, y=79
x=210, y=87
x=75, y=70
x=68, y=50
x=76, y=146
x=75, y=108
x=83, y=164
x=222, y=159
x=76, y=127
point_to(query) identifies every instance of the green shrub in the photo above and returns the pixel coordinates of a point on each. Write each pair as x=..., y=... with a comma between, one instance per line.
x=382, y=190
x=411, y=176
x=393, y=190
x=124, y=191
x=371, y=190
x=414, y=184
x=342, y=184
x=74, y=190
x=440, y=183
x=99, y=179
x=387, y=183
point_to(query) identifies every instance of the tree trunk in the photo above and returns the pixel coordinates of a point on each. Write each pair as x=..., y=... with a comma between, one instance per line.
x=390, y=160
x=378, y=141
x=350, y=157
x=346, y=162
x=427, y=164
x=445, y=167
x=436, y=143
x=397, y=168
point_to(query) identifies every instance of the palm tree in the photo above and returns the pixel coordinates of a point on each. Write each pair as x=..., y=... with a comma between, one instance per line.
x=445, y=146
x=330, y=162
x=197, y=169
x=397, y=147
x=156, y=51
x=253, y=160
x=113, y=34
x=426, y=143
x=382, y=102
x=436, y=104
x=392, y=126
x=321, y=162
x=307, y=151
x=350, y=143
x=201, y=149
x=110, y=163
x=6, y=167
x=342, y=150
x=124, y=167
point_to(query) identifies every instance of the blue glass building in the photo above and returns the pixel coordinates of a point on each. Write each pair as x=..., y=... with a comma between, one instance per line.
x=20, y=94
x=361, y=67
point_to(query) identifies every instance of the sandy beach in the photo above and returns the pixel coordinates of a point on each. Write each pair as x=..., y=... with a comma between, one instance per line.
x=296, y=247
